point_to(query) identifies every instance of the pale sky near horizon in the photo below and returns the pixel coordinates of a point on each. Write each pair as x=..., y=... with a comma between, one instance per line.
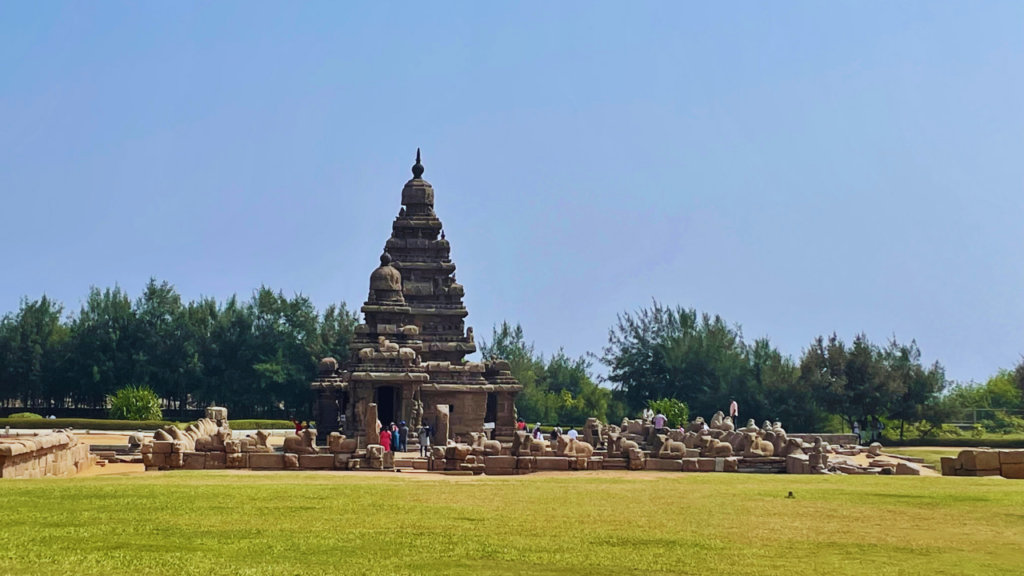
x=799, y=168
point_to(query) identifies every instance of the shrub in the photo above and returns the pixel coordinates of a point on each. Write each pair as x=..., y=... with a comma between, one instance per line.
x=135, y=403
x=1004, y=423
x=677, y=412
x=87, y=424
x=25, y=416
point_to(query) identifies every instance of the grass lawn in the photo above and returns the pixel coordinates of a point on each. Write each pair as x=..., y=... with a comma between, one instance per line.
x=288, y=523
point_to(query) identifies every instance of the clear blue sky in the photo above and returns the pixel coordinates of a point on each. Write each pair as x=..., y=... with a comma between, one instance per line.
x=799, y=168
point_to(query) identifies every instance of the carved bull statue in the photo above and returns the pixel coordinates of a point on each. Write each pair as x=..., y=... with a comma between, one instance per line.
x=302, y=443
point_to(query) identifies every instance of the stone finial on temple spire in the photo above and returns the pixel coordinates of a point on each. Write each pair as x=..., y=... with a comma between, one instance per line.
x=417, y=168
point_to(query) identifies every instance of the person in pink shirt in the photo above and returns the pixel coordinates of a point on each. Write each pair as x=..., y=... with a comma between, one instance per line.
x=659, y=423
x=734, y=411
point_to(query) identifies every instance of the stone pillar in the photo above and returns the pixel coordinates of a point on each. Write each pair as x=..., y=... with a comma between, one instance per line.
x=351, y=421
x=405, y=406
x=441, y=433
x=326, y=414
x=505, y=421
x=371, y=428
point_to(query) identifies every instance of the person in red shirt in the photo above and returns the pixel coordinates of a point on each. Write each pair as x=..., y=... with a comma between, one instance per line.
x=385, y=439
x=298, y=426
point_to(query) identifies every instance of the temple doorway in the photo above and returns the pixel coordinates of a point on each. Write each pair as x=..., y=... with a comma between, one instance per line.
x=491, y=413
x=386, y=408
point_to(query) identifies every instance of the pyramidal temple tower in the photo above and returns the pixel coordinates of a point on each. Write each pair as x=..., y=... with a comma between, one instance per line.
x=408, y=357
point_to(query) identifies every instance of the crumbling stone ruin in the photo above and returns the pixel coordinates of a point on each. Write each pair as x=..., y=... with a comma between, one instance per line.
x=204, y=445
x=985, y=462
x=58, y=454
x=633, y=446
x=408, y=357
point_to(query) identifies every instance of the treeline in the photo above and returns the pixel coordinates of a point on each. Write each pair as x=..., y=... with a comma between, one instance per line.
x=255, y=356
x=663, y=352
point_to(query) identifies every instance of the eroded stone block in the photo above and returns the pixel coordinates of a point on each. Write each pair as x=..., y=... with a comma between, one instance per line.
x=195, y=460
x=316, y=461
x=948, y=466
x=1015, y=471
x=552, y=463
x=258, y=460
x=1011, y=457
x=664, y=465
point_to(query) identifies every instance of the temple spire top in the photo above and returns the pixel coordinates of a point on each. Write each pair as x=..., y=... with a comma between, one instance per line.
x=417, y=168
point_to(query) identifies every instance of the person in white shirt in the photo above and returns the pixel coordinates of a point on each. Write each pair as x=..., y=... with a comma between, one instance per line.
x=572, y=433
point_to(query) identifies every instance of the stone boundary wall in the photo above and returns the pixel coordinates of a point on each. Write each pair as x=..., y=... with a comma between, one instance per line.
x=59, y=454
x=982, y=462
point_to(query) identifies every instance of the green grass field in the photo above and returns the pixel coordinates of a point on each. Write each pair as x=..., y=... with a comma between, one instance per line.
x=227, y=522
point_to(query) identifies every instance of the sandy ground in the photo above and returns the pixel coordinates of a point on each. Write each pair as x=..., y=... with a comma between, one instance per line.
x=863, y=460
x=113, y=469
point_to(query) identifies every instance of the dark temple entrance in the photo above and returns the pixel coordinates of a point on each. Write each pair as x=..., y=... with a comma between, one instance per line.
x=386, y=409
x=491, y=413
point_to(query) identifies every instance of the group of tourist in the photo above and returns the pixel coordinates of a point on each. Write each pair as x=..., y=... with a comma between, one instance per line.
x=538, y=434
x=873, y=432
x=395, y=438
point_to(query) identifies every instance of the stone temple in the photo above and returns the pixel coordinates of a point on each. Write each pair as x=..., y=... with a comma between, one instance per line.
x=408, y=357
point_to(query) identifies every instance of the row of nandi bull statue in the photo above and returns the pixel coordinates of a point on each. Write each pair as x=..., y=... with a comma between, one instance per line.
x=718, y=438
x=207, y=435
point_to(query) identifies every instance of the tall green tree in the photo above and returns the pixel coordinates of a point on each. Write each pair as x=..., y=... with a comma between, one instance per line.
x=106, y=352
x=33, y=345
x=823, y=372
x=917, y=390
x=664, y=352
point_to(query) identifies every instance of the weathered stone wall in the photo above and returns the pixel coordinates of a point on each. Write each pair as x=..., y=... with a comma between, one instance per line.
x=467, y=415
x=57, y=455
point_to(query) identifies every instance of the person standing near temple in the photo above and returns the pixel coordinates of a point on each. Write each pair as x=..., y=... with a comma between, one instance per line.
x=385, y=438
x=403, y=437
x=394, y=437
x=424, y=435
x=572, y=433
x=734, y=412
